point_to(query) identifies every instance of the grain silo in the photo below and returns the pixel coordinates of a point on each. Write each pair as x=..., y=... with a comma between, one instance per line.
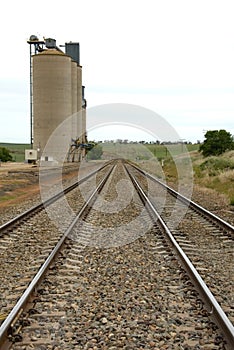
x=56, y=100
x=52, y=97
x=72, y=49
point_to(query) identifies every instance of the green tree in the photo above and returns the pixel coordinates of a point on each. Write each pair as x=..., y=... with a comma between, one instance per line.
x=216, y=143
x=95, y=152
x=5, y=154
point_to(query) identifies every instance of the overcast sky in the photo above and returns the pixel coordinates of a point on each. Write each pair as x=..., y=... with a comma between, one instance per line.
x=173, y=57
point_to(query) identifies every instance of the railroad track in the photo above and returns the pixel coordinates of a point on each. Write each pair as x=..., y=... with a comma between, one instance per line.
x=117, y=281
x=27, y=239
x=205, y=238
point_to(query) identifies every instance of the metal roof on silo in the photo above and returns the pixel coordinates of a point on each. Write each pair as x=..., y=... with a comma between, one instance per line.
x=52, y=52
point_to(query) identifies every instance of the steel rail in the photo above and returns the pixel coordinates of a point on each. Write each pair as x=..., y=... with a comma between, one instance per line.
x=222, y=223
x=47, y=202
x=213, y=306
x=18, y=308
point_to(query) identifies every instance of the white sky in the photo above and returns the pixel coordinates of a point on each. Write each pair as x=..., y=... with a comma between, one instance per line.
x=173, y=57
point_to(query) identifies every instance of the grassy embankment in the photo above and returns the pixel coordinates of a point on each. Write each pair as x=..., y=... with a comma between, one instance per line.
x=216, y=173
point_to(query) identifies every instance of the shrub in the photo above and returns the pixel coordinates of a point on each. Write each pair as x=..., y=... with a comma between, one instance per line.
x=214, y=164
x=95, y=153
x=216, y=143
x=5, y=155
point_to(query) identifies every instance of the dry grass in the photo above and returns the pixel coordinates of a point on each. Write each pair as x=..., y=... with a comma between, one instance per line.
x=212, y=174
x=216, y=173
x=227, y=176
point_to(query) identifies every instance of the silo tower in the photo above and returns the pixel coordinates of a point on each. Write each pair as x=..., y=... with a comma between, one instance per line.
x=56, y=98
x=52, y=96
x=72, y=49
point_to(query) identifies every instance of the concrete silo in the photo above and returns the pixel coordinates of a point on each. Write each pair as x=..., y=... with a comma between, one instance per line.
x=72, y=49
x=56, y=100
x=52, y=99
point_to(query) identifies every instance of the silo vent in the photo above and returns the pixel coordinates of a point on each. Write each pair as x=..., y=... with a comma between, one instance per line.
x=50, y=43
x=33, y=38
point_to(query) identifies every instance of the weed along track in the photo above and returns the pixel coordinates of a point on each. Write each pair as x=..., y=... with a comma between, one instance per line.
x=116, y=277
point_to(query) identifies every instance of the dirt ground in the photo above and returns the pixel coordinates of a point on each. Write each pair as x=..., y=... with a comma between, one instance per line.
x=19, y=182
x=9, y=166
